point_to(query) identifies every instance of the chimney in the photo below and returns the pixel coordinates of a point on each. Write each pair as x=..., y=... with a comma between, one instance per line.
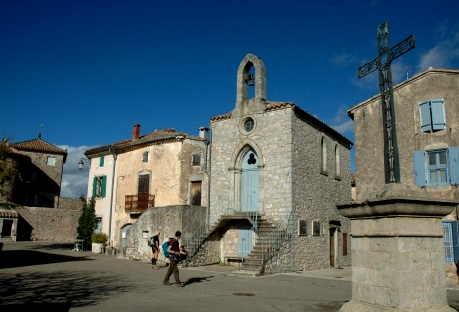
x=203, y=132
x=136, y=132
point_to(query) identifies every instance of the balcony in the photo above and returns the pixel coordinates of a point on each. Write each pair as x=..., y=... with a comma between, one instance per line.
x=139, y=202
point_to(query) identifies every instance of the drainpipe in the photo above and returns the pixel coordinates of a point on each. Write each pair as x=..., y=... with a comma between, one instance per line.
x=209, y=146
x=111, y=151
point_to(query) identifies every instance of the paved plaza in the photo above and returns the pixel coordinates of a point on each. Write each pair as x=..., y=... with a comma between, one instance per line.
x=51, y=277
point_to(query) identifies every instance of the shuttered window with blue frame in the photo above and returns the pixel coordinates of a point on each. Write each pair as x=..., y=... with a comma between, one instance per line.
x=432, y=115
x=437, y=167
x=451, y=241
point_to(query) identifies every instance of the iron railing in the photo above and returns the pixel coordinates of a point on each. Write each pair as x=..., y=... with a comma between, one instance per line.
x=271, y=243
x=139, y=202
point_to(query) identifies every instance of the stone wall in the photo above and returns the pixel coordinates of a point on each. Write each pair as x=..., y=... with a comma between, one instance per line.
x=167, y=220
x=47, y=224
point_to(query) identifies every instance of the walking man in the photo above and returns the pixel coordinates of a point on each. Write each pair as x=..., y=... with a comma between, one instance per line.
x=174, y=248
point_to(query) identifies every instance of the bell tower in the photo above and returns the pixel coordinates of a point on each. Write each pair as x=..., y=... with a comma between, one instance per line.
x=245, y=80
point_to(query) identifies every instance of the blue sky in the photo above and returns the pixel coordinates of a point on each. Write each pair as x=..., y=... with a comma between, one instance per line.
x=84, y=72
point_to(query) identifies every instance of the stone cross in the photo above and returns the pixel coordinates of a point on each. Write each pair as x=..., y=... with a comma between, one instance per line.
x=382, y=62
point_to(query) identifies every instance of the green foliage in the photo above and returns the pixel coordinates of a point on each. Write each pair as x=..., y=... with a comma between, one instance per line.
x=7, y=171
x=87, y=221
x=99, y=238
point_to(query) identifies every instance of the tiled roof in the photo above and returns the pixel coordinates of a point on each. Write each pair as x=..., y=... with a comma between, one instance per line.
x=38, y=145
x=271, y=106
x=221, y=117
x=158, y=136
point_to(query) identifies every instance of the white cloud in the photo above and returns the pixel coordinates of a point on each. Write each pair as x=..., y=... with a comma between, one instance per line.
x=342, y=123
x=446, y=52
x=74, y=181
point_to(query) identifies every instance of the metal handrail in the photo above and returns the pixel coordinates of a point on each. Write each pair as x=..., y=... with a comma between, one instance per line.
x=194, y=241
x=271, y=243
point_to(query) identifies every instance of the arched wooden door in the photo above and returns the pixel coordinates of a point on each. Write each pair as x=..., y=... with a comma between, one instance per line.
x=250, y=182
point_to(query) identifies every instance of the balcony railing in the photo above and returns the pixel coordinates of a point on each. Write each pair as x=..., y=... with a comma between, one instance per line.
x=139, y=202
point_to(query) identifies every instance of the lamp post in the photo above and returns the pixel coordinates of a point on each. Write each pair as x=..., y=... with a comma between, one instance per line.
x=82, y=162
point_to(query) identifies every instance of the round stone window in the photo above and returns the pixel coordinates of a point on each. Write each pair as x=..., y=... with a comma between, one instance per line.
x=249, y=124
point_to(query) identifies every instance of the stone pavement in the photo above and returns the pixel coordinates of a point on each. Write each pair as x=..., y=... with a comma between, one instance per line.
x=50, y=276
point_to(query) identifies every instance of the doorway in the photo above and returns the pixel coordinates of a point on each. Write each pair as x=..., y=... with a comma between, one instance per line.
x=250, y=182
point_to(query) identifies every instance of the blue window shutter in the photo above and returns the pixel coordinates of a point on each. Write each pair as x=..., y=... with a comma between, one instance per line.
x=448, y=244
x=438, y=114
x=455, y=241
x=454, y=164
x=101, y=161
x=104, y=184
x=94, y=186
x=424, y=110
x=419, y=171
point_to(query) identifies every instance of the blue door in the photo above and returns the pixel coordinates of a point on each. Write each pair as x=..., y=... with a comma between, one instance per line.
x=245, y=240
x=249, y=185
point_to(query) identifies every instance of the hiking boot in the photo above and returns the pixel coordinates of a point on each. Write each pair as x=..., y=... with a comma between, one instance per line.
x=167, y=283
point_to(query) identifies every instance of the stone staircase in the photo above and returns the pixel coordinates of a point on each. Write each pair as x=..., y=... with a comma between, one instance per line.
x=252, y=264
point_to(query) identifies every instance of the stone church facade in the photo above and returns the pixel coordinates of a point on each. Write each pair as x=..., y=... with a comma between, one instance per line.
x=276, y=162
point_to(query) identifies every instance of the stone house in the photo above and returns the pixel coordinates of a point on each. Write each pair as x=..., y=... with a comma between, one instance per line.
x=427, y=126
x=277, y=173
x=40, y=165
x=159, y=169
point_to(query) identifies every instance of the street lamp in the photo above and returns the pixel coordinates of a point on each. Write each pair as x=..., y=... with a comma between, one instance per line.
x=82, y=162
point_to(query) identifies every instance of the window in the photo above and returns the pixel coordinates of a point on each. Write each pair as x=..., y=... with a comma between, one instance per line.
x=323, y=157
x=432, y=115
x=145, y=157
x=337, y=163
x=33, y=177
x=344, y=244
x=315, y=228
x=101, y=161
x=249, y=124
x=51, y=161
x=450, y=241
x=196, y=193
x=436, y=167
x=196, y=160
x=98, y=225
x=99, y=186
x=302, y=227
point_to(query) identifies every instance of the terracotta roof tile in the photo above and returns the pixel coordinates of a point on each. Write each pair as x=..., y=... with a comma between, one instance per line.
x=221, y=117
x=156, y=136
x=38, y=145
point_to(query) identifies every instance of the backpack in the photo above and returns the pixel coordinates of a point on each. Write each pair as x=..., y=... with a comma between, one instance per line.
x=151, y=242
x=165, y=245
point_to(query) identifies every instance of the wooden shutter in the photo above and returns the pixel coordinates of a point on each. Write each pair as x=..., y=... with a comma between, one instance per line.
x=454, y=164
x=101, y=161
x=419, y=171
x=104, y=185
x=424, y=111
x=94, y=187
x=437, y=108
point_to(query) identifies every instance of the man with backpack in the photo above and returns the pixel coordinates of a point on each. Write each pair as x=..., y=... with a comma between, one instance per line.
x=173, y=249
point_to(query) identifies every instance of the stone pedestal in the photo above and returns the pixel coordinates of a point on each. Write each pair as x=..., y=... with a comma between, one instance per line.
x=397, y=255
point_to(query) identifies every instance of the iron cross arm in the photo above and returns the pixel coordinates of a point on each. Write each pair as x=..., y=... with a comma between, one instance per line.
x=396, y=51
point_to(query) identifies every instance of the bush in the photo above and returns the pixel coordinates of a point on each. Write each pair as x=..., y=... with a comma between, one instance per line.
x=99, y=238
x=87, y=221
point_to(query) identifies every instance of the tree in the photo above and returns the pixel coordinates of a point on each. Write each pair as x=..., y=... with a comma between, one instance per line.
x=8, y=173
x=87, y=221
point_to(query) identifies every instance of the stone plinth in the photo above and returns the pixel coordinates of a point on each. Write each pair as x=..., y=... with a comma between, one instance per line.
x=397, y=255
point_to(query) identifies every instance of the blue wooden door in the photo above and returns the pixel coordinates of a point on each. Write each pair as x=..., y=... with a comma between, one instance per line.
x=245, y=240
x=249, y=185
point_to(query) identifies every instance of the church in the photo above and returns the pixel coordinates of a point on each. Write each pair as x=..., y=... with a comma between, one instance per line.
x=277, y=173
